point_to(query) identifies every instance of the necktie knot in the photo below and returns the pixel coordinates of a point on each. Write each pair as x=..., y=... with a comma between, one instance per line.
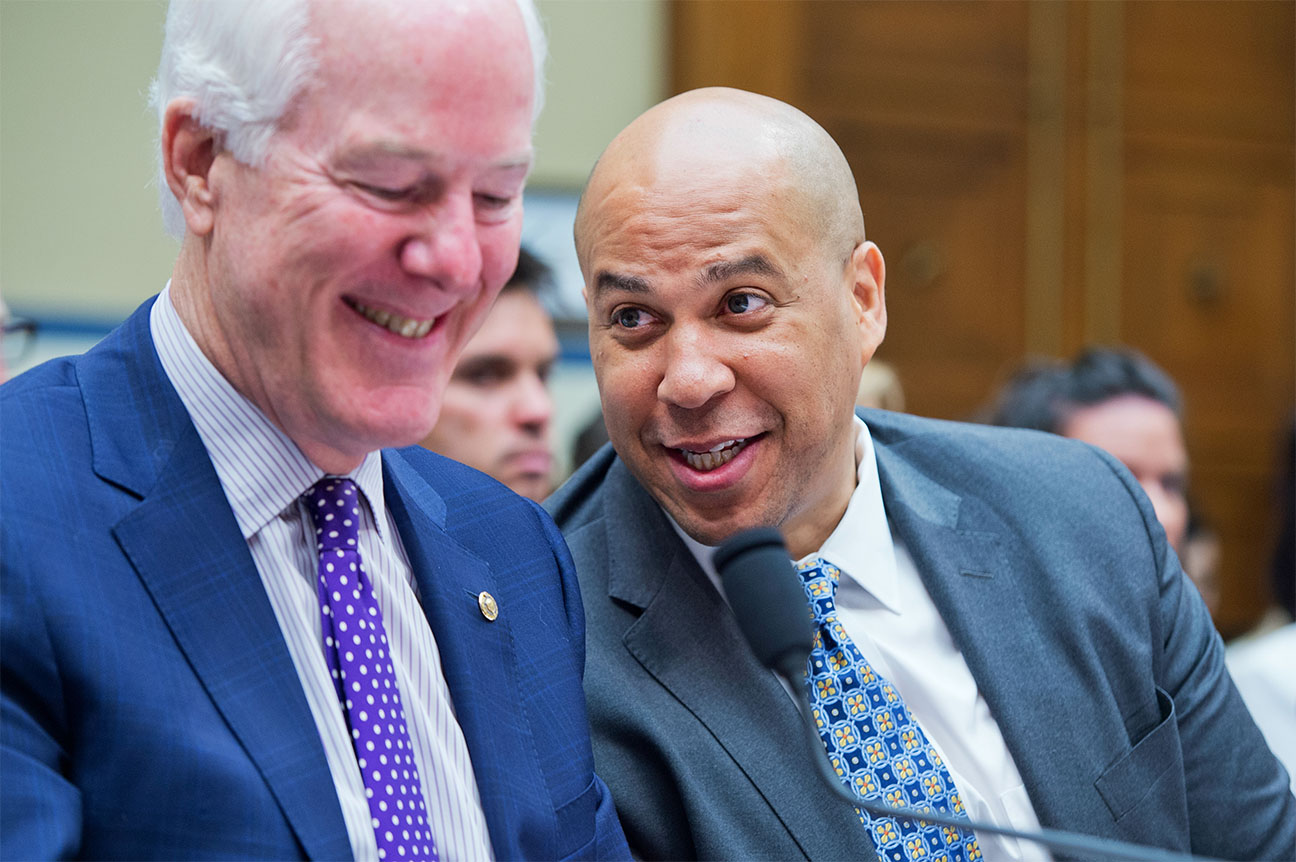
x=334, y=505
x=820, y=578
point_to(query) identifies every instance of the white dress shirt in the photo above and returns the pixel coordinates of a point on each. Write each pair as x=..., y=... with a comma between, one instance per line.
x=884, y=607
x=1261, y=668
x=264, y=474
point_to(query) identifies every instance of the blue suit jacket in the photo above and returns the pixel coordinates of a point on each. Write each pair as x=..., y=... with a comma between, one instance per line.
x=1094, y=652
x=150, y=708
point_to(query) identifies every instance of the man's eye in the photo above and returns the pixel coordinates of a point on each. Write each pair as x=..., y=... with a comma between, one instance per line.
x=483, y=378
x=741, y=303
x=483, y=374
x=1175, y=484
x=630, y=318
x=386, y=194
x=493, y=202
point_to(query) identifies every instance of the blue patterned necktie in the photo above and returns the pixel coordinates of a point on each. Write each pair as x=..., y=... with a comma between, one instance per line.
x=876, y=747
x=355, y=646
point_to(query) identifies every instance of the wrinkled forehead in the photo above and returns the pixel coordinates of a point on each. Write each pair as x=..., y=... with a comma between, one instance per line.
x=681, y=180
x=690, y=227
x=399, y=83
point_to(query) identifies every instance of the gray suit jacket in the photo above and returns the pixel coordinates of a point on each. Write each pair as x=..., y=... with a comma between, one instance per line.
x=1093, y=651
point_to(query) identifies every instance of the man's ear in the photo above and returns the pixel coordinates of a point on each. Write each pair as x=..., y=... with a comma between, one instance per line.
x=869, y=297
x=188, y=150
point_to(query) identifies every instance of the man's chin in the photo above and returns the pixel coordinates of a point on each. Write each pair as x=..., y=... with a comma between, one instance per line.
x=714, y=531
x=365, y=434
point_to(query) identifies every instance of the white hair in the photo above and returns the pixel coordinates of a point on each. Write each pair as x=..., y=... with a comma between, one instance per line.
x=243, y=62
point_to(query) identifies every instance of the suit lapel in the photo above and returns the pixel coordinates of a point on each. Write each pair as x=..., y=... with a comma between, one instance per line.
x=686, y=638
x=478, y=660
x=964, y=562
x=187, y=549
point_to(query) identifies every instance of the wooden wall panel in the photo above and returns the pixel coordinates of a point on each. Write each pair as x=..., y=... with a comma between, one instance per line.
x=935, y=130
x=750, y=44
x=1208, y=252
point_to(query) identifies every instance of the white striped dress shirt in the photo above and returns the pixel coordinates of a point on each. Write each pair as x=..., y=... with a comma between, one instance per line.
x=264, y=474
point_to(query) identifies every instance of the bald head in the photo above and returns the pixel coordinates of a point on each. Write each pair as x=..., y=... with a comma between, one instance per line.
x=710, y=137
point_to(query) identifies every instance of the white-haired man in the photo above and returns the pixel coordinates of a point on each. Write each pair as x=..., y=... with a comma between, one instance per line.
x=234, y=623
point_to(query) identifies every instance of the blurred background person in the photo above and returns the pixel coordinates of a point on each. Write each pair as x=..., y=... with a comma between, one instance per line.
x=497, y=410
x=16, y=337
x=1120, y=401
x=1261, y=667
x=1261, y=661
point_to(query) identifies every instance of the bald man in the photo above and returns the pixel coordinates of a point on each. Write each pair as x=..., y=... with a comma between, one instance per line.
x=1001, y=627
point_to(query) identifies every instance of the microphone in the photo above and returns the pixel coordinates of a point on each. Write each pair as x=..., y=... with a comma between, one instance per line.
x=766, y=596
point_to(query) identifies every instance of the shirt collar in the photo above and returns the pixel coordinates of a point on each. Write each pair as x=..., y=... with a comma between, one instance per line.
x=261, y=470
x=860, y=545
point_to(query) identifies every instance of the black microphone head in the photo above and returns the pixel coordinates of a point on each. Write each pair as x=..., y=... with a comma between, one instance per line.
x=766, y=596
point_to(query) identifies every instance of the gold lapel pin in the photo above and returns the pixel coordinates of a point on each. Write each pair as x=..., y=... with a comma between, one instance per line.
x=487, y=605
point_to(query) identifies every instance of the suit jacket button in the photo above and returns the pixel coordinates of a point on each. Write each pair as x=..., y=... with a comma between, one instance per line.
x=487, y=605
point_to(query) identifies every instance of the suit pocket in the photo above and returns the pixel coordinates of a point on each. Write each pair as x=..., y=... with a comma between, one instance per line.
x=576, y=823
x=1149, y=778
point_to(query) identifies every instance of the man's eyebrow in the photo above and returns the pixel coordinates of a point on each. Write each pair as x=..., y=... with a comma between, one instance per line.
x=374, y=151
x=378, y=150
x=608, y=281
x=493, y=363
x=754, y=264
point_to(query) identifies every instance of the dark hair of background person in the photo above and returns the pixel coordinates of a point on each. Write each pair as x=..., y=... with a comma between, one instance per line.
x=1049, y=395
x=1045, y=392
x=531, y=273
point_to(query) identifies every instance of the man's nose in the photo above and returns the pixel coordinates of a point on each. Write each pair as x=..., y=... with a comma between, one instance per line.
x=533, y=405
x=695, y=371
x=444, y=246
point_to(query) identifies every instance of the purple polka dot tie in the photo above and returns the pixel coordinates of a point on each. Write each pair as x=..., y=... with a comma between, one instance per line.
x=355, y=646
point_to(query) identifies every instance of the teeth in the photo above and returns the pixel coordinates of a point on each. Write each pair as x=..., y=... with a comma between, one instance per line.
x=716, y=456
x=407, y=327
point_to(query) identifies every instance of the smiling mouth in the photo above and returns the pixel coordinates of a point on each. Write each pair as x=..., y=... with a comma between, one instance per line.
x=406, y=327
x=716, y=456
